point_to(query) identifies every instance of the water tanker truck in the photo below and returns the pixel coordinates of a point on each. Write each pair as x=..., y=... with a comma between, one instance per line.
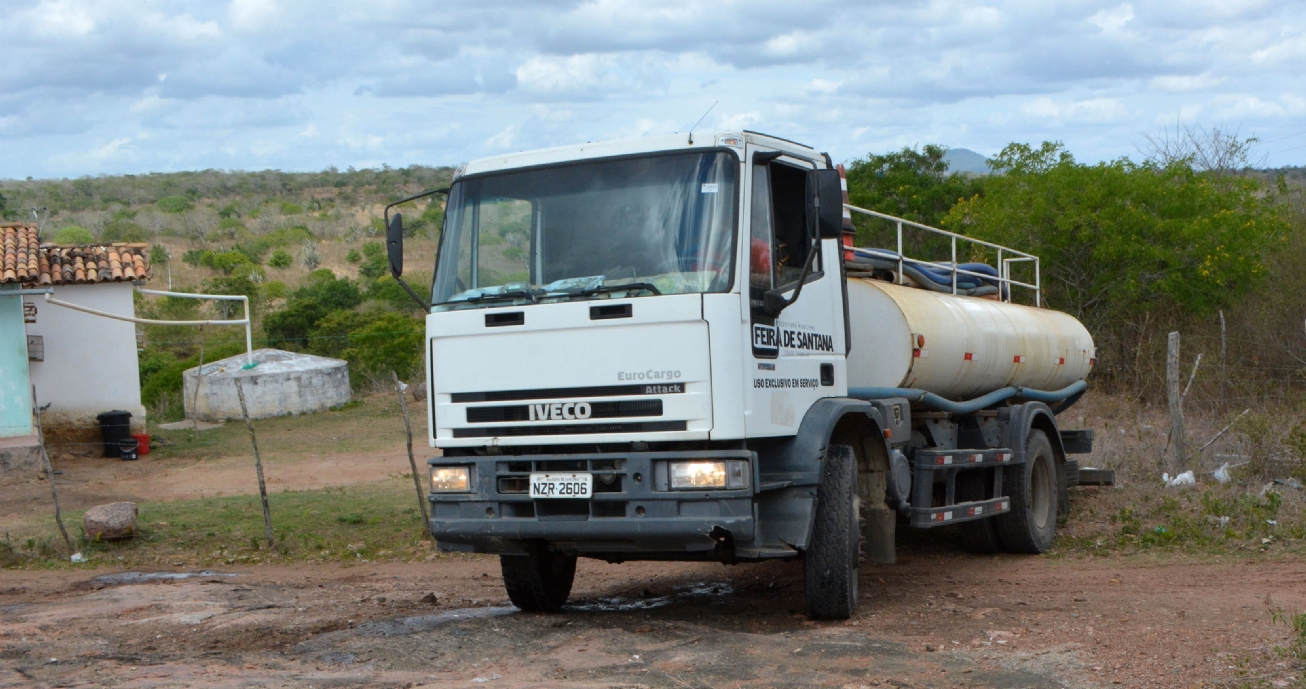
x=668, y=349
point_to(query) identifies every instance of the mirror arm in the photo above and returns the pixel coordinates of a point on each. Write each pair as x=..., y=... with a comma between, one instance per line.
x=386, y=213
x=773, y=306
x=420, y=302
x=426, y=308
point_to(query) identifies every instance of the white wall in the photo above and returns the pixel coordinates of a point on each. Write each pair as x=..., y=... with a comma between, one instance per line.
x=90, y=361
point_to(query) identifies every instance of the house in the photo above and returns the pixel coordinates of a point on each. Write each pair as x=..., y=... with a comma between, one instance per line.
x=81, y=364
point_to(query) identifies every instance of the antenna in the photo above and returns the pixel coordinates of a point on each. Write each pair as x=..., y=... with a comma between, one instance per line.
x=700, y=121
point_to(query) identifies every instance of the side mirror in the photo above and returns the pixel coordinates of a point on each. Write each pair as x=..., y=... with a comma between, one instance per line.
x=825, y=203
x=394, y=244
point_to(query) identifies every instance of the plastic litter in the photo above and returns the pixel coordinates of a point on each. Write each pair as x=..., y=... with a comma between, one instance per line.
x=1184, y=479
x=1289, y=482
x=1222, y=474
x=77, y=557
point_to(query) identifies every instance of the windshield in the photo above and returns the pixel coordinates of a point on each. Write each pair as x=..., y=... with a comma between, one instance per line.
x=661, y=224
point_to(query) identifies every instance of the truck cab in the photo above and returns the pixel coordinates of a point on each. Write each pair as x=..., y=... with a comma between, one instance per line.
x=639, y=350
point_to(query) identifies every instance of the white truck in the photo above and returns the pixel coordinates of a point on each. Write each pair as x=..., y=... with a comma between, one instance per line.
x=665, y=349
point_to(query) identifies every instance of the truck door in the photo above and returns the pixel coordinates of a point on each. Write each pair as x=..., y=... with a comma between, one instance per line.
x=797, y=356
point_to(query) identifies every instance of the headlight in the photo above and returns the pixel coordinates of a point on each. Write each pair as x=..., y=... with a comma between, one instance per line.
x=732, y=474
x=451, y=480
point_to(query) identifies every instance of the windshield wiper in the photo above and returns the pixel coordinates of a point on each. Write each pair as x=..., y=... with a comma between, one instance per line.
x=533, y=295
x=602, y=289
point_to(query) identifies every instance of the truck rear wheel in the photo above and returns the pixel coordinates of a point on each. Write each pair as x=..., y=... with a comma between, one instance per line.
x=538, y=581
x=1031, y=524
x=832, y=558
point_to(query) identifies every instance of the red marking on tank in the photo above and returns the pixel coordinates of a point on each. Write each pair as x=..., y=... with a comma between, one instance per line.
x=1019, y=359
x=970, y=357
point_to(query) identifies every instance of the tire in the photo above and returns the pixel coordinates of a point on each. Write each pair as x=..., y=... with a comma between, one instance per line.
x=979, y=536
x=832, y=558
x=538, y=581
x=1031, y=524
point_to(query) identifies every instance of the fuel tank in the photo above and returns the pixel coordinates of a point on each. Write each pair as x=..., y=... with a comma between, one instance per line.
x=959, y=347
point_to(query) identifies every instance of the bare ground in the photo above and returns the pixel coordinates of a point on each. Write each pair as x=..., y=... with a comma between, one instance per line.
x=937, y=619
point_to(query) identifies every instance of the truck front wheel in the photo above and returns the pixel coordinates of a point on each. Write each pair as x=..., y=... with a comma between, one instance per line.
x=1031, y=524
x=538, y=581
x=831, y=560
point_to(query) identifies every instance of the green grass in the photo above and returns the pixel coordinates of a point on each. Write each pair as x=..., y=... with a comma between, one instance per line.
x=372, y=522
x=1208, y=520
x=360, y=426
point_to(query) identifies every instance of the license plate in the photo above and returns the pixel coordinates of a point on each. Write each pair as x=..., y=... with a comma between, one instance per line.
x=566, y=486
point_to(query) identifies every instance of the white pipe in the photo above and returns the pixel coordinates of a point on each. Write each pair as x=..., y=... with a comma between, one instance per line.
x=249, y=349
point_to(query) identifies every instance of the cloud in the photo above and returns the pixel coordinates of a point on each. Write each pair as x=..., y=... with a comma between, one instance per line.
x=194, y=85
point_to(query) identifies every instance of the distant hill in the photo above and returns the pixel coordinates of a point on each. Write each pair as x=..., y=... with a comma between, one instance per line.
x=966, y=160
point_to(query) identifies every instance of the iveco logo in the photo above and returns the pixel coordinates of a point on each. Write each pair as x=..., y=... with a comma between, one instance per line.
x=560, y=410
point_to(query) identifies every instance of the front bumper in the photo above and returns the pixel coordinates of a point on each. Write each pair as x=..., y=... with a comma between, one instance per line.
x=632, y=511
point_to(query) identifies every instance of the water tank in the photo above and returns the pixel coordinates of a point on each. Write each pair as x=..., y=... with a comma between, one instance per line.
x=959, y=347
x=280, y=383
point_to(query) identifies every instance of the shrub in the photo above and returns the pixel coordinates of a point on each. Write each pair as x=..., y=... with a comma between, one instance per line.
x=229, y=211
x=280, y=259
x=291, y=209
x=387, y=290
x=124, y=231
x=320, y=295
x=375, y=263
x=309, y=256
x=274, y=289
x=174, y=204
x=73, y=234
x=353, y=256
x=392, y=342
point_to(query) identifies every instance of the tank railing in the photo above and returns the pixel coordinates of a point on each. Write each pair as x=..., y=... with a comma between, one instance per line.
x=1004, y=279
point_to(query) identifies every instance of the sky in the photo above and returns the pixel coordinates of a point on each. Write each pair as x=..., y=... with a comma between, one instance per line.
x=90, y=87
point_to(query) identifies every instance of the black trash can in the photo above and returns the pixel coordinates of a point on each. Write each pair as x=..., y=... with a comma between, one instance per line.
x=115, y=426
x=128, y=448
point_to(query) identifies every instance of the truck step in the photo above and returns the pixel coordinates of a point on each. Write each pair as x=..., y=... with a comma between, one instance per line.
x=1077, y=442
x=926, y=517
x=943, y=460
x=1097, y=477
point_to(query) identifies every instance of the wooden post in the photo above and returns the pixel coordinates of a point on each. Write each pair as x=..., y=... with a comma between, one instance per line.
x=1224, y=374
x=195, y=399
x=1176, y=403
x=258, y=464
x=412, y=463
x=49, y=476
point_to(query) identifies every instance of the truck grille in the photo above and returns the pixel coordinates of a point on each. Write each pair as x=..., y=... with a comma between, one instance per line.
x=598, y=410
x=569, y=429
x=566, y=393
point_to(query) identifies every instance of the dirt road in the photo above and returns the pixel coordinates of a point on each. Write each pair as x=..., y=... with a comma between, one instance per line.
x=937, y=619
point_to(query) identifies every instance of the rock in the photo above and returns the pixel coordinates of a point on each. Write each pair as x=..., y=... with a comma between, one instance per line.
x=430, y=599
x=111, y=521
x=418, y=391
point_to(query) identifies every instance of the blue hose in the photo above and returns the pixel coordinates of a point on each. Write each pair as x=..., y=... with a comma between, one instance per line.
x=938, y=403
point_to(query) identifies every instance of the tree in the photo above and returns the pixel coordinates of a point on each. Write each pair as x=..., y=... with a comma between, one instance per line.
x=912, y=183
x=73, y=234
x=174, y=204
x=1119, y=239
x=280, y=259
